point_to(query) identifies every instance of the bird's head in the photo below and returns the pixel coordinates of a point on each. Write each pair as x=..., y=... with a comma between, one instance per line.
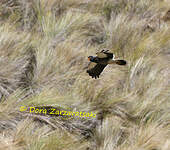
x=90, y=58
x=93, y=59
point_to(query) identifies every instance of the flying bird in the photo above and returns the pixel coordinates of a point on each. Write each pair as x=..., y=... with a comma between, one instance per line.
x=99, y=62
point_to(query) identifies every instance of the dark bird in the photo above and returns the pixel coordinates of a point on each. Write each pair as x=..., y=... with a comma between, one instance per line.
x=99, y=62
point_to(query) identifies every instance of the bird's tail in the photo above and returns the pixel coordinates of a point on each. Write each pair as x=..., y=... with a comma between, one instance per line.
x=120, y=62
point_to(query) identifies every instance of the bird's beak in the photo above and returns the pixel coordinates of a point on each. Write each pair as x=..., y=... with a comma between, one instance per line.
x=88, y=59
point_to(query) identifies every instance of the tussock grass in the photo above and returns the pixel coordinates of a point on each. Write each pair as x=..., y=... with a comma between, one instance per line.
x=43, y=59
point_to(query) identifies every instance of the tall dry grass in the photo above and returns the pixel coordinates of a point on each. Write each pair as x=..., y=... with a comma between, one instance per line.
x=43, y=55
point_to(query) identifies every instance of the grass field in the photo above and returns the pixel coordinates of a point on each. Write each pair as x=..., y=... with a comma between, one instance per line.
x=44, y=45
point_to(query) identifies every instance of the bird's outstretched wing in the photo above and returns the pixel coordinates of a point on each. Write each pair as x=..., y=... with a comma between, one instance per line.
x=104, y=54
x=95, y=69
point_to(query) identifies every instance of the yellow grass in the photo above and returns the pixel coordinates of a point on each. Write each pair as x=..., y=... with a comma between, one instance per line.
x=44, y=47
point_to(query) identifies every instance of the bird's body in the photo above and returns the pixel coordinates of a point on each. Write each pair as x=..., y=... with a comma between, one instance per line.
x=99, y=62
